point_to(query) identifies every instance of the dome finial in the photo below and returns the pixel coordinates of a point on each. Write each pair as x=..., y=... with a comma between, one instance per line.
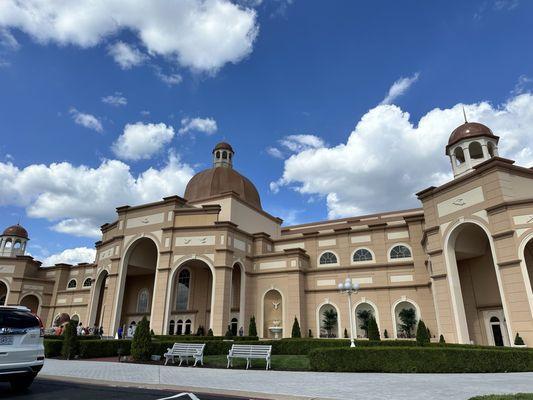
x=464, y=115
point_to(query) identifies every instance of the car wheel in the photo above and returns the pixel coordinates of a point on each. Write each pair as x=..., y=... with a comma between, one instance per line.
x=21, y=383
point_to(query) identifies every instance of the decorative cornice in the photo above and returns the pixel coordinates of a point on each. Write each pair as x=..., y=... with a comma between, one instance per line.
x=503, y=235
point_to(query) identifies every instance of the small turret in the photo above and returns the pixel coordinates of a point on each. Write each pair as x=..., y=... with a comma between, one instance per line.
x=223, y=155
x=13, y=241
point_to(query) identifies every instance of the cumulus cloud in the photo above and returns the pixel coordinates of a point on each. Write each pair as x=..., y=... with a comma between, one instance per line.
x=142, y=141
x=399, y=88
x=275, y=152
x=125, y=55
x=116, y=100
x=387, y=158
x=61, y=192
x=188, y=31
x=7, y=40
x=88, y=121
x=71, y=256
x=203, y=125
x=295, y=143
x=169, y=79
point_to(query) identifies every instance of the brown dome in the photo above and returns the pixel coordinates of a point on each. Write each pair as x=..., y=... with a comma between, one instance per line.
x=16, y=230
x=223, y=146
x=215, y=181
x=470, y=130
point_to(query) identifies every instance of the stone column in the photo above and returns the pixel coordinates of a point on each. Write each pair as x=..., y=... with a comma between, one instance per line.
x=159, y=298
x=222, y=301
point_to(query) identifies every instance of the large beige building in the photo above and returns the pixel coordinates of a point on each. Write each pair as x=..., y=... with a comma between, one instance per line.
x=463, y=261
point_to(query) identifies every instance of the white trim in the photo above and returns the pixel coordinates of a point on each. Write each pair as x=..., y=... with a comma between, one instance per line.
x=455, y=284
x=328, y=265
x=525, y=273
x=242, y=302
x=340, y=331
x=373, y=261
x=389, y=259
x=403, y=299
x=283, y=312
x=68, y=283
x=95, y=295
x=85, y=280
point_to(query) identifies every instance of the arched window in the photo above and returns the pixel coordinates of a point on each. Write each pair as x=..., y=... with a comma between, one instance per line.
x=328, y=321
x=218, y=154
x=328, y=258
x=494, y=319
x=142, y=301
x=17, y=245
x=400, y=251
x=475, y=150
x=72, y=284
x=179, y=327
x=182, y=292
x=188, y=327
x=171, y=327
x=87, y=282
x=362, y=255
x=224, y=155
x=407, y=317
x=459, y=155
x=8, y=244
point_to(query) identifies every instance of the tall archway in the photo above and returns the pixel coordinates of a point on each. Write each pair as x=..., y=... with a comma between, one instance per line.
x=237, y=295
x=527, y=265
x=3, y=293
x=191, y=294
x=138, y=275
x=100, y=314
x=328, y=321
x=273, y=314
x=406, y=317
x=363, y=312
x=475, y=288
x=32, y=302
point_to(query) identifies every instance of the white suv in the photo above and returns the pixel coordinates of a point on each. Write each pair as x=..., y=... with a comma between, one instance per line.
x=21, y=346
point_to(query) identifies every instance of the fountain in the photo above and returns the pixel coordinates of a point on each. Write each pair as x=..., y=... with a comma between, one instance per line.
x=276, y=329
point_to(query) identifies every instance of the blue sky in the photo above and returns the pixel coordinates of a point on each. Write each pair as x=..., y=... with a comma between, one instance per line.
x=285, y=82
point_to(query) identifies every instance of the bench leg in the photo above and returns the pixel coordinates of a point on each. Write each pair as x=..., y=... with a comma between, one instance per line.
x=229, y=362
x=268, y=364
x=181, y=360
x=247, y=363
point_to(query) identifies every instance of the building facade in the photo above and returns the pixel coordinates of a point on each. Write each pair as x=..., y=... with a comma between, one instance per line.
x=463, y=262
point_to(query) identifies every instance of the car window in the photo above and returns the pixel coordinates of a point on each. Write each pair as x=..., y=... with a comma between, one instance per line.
x=17, y=319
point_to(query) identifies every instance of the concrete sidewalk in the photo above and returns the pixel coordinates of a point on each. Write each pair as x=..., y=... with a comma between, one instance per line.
x=283, y=384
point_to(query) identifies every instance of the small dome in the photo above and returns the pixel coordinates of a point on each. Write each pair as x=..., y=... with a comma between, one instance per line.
x=215, y=181
x=223, y=146
x=470, y=130
x=16, y=230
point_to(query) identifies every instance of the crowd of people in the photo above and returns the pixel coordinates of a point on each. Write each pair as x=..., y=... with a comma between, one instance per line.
x=81, y=330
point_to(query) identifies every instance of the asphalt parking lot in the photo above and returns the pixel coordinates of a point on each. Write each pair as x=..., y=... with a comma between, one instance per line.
x=44, y=389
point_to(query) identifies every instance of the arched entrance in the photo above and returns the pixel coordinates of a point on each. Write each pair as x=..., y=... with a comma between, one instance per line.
x=100, y=314
x=527, y=265
x=363, y=312
x=273, y=314
x=32, y=302
x=328, y=321
x=474, y=285
x=3, y=293
x=137, y=282
x=191, y=292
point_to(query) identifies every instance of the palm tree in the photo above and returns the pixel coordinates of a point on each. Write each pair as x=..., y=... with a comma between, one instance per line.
x=329, y=321
x=364, y=316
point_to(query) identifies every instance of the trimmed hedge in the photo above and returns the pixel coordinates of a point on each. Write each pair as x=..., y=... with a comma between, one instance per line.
x=52, y=348
x=103, y=348
x=80, y=337
x=194, y=338
x=420, y=360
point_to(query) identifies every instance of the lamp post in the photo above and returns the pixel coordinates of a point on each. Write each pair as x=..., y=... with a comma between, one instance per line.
x=348, y=287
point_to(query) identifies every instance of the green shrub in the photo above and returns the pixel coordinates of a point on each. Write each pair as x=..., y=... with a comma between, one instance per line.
x=518, y=340
x=252, y=328
x=61, y=337
x=441, y=339
x=310, y=333
x=210, y=332
x=52, y=347
x=422, y=334
x=193, y=338
x=70, y=342
x=385, y=334
x=142, y=342
x=420, y=360
x=229, y=334
x=408, y=321
x=296, y=333
x=200, y=331
x=373, y=330
x=346, y=333
x=104, y=348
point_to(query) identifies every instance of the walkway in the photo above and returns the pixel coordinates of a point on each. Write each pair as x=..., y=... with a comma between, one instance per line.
x=309, y=384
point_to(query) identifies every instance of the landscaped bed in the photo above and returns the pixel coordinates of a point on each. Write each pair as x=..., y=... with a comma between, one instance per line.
x=518, y=396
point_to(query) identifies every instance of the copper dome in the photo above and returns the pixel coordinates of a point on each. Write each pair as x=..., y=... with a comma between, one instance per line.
x=223, y=146
x=470, y=130
x=215, y=181
x=16, y=230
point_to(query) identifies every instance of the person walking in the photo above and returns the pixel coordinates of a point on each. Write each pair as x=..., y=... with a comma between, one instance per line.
x=119, y=333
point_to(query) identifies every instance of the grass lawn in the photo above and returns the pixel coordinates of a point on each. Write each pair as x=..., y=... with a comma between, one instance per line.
x=279, y=363
x=518, y=396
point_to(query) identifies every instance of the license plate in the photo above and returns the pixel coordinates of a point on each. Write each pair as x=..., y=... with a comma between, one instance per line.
x=5, y=340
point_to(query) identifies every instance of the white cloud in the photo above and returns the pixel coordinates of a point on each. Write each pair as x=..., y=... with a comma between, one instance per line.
x=142, y=141
x=522, y=84
x=399, y=88
x=7, y=40
x=275, y=152
x=125, y=55
x=203, y=125
x=61, y=192
x=71, y=256
x=202, y=35
x=169, y=79
x=89, y=121
x=386, y=159
x=296, y=143
x=116, y=100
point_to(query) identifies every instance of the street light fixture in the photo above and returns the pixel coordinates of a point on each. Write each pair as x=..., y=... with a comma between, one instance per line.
x=348, y=287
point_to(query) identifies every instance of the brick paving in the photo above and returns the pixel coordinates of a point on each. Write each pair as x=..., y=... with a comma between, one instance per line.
x=308, y=384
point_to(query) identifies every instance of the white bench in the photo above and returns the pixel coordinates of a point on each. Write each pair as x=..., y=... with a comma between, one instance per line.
x=249, y=352
x=184, y=351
